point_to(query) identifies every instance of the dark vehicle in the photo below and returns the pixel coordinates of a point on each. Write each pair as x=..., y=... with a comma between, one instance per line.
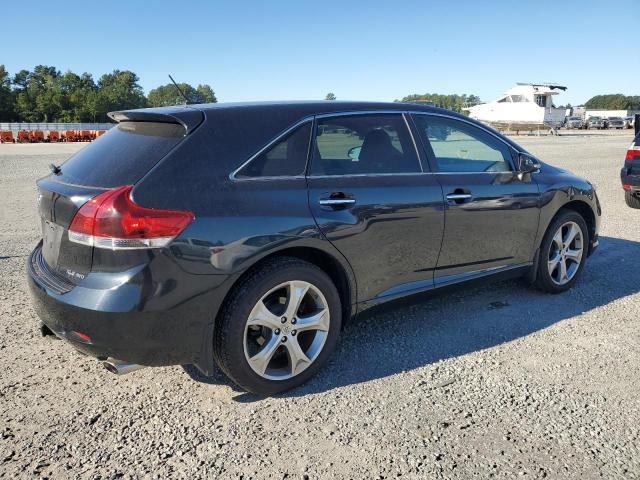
x=616, y=122
x=573, y=122
x=630, y=174
x=247, y=234
x=597, y=123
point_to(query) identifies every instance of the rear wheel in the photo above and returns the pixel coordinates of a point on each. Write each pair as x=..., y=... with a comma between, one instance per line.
x=563, y=252
x=632, y=200
x=278, y=327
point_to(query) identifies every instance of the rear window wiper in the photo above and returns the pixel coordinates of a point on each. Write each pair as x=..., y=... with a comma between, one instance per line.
x=55, y=169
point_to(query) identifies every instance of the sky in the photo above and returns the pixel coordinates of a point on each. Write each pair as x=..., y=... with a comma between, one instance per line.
x=359, y=50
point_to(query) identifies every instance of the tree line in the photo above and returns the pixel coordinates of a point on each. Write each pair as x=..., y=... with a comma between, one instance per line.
x=452, y=102
x=615, y=101
x=44, y=94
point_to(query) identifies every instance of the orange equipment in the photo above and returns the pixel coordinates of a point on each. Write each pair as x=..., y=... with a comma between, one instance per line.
x=70, y=136
x=100, y=133
x=85, y=136
x=6, y=136
x=54, y=136
x=23, y=136
x=37, y=136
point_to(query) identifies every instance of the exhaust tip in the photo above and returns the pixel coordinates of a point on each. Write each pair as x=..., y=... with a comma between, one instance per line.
x=110, y=367
x=119, y=367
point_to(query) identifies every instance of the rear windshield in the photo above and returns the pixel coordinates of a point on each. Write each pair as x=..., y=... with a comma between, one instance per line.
x=122, y=155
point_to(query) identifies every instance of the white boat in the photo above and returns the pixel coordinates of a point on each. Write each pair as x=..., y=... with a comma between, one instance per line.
x=527, y=106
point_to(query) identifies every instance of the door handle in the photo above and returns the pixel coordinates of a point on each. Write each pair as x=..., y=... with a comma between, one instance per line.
x=337, y=199
x=458, y=196
x=336, y=202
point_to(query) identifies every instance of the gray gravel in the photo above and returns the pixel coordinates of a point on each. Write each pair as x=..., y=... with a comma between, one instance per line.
x=498, y=381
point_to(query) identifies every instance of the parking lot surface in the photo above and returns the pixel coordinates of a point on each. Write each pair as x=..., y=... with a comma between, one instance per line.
x=495, y=381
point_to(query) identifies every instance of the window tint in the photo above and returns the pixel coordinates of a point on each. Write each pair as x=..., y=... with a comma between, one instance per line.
x=122, y=155
x=286, y=158
x=363, y=144
x=460, y=147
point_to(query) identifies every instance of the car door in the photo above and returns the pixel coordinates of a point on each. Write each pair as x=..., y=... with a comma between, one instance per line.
x=491, y=211
x=371, y=198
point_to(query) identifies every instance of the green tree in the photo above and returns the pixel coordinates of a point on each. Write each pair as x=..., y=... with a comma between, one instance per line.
x=453, y=102
x=206, y=94
x=46, y=95
x=119, y=90
x=330, y=96
x=7, y=97
x=38, y=95
x=168, y=95
x=616, y=101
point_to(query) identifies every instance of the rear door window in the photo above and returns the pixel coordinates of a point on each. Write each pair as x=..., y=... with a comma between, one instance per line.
x=286, y=158
x=122, y=155
x=363, y=144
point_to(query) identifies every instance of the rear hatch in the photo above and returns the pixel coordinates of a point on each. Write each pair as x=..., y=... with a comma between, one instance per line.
x=120, y=157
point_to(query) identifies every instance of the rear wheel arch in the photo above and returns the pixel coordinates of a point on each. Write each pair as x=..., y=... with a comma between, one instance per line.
x=340, y=274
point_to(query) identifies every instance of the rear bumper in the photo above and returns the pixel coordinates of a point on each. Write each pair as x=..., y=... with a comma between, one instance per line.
x=132, y=316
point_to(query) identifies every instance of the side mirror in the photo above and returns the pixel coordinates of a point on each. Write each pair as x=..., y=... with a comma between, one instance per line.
x=354, y=153
x=527, y=163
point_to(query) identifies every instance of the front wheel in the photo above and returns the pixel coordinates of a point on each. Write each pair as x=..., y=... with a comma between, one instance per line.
x=563, y=252
x=278, y=327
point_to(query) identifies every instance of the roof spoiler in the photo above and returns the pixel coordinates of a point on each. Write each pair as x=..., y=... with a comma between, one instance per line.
x=189, y=118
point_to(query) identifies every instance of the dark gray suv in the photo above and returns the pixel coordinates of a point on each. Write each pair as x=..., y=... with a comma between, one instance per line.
x=248, y=234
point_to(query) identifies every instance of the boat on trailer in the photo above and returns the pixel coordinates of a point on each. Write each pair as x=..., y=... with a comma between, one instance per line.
x=527, y=106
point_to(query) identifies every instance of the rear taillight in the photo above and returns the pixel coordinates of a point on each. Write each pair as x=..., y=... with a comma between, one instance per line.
x=633, y=152
x=112, y=220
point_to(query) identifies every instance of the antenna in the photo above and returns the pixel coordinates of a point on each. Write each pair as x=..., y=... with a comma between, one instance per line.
x=186, y=100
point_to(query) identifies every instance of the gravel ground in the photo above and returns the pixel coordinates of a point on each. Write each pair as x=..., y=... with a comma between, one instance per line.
x=496, y=381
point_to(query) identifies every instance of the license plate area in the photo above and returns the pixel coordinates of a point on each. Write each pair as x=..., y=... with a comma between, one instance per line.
x=51, y=239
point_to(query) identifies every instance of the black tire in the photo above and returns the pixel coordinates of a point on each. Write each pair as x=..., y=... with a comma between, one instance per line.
x=544, y=281
x=229, y=336
x=632, y=200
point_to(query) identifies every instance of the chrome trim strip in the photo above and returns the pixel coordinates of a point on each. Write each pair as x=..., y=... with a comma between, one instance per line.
x=511, y=172
x=311, y=118
x=276, y=139
x=350, y=175
x=253, y=179
x=351, y=113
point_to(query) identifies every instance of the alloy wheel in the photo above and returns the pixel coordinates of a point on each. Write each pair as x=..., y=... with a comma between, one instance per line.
x=286, y=330
x=565, y=253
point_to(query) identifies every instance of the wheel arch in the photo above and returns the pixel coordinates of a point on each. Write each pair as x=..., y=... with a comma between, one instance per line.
x=338, y=270
x=585, y=211
x=583, y=208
